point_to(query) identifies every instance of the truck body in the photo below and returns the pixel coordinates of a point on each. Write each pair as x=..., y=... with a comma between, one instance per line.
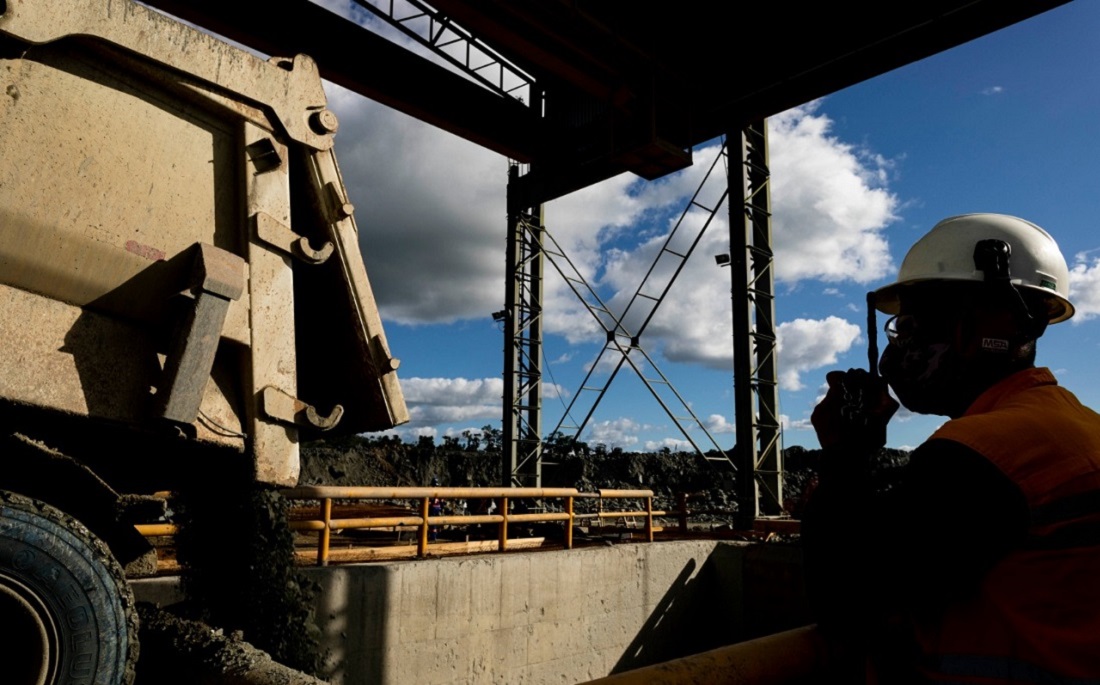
x=182, y=292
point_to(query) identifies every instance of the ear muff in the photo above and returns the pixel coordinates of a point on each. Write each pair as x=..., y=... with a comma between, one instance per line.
x=1001, y=324
x=995, y=332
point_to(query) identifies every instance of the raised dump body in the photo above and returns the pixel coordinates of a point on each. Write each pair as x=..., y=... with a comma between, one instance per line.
x=176, y=244
x=182, y=293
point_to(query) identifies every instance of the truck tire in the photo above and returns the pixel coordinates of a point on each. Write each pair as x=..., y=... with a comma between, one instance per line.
x=68, y=611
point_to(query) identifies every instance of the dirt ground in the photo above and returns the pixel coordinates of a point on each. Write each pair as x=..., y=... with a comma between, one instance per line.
x=378, y=463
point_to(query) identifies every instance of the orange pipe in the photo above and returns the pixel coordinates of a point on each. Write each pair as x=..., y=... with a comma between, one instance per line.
x=569, y=523
x=649, y=519
x=326, y=532
x=357, y=492
x=150, y=530
x=422, y=543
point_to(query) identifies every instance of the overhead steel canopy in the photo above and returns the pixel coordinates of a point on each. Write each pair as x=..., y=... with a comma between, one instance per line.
x=617, y=87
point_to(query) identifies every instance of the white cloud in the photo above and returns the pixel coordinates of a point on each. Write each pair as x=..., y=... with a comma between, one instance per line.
x=430, y=208
x=444, y=391
x=831, y=208
x=621, y=432
x=672, y=444
x=993, y=90
x=830, y=202
x=432, y=221
x=806, y=344
x=431, y=213
x=717, y=424
x=802, y=424
x=450, y=400
x=1084, y=287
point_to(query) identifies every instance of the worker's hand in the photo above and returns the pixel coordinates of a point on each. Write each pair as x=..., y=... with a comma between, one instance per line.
x=855, y=411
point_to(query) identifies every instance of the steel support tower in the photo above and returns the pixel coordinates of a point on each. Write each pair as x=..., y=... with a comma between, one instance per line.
x=755, y=389
x=521, y=441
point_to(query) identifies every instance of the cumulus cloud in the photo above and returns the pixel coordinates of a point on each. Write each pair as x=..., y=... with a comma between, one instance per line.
x=717, y=424
x=432, y=221
x=597, y=228
x=831, y=208
x=450, y=400
x=447, y=400
x=806, y=344
x=621, y=432
x=430, y=208
x=830, y=202
x=1084, y=287
x=672, y=444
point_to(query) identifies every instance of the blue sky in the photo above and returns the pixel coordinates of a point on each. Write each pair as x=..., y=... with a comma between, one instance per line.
x=1008, y=123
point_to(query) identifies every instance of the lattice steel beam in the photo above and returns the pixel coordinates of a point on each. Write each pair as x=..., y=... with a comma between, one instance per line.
x=437, y=32
x=521, y=463
x=756, y=391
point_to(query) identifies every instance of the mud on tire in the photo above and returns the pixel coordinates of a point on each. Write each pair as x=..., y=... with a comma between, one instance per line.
x=65, y=600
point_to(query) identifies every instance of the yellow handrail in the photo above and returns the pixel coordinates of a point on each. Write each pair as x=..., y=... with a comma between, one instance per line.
x=425, y=521
x=421, y=517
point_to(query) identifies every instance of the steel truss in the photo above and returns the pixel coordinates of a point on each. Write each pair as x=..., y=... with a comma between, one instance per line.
x=623, y=345
x=456, y=45
x=521, y=440
x=754, y=333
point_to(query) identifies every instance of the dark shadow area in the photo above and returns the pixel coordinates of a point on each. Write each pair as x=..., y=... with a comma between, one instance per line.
x=660, y=638
x=739, y=593
x=773, y=589
x=355, y=637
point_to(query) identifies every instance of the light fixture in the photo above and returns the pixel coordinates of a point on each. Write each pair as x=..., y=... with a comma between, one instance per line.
x=501, y=315
x=722, y=259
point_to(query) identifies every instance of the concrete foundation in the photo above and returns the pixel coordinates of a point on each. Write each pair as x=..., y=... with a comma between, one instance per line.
x=545, y=617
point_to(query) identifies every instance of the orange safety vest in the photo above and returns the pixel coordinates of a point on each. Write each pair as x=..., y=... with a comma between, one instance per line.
x=1035, y=617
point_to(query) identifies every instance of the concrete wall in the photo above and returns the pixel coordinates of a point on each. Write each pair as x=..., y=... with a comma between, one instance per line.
x=549, y=617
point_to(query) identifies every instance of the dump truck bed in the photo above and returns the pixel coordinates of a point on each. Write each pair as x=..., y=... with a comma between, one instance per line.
x=178, y=255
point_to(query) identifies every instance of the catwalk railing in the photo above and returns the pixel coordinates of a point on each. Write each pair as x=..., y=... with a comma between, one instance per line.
x=494, y=519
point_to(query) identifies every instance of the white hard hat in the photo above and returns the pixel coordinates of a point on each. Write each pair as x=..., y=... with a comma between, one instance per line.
x=946, y=253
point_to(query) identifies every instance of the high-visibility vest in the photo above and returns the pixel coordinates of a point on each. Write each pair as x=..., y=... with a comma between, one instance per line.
x=1036, y=615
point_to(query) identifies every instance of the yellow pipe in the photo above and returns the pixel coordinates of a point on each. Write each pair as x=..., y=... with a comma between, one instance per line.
x=569, y=523
x=422, y=543
x=326, y=532
x=471, y=519
x=380, y=522
x=533, y=518
x=792, y=656
x=360, y=492
x=150, y=530
x=624, y=494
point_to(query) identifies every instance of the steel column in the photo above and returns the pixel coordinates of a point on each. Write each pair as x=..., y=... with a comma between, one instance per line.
x=759, y=453
x=522, y=432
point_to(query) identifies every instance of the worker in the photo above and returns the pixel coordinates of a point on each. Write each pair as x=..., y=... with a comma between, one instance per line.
x=980, y=562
